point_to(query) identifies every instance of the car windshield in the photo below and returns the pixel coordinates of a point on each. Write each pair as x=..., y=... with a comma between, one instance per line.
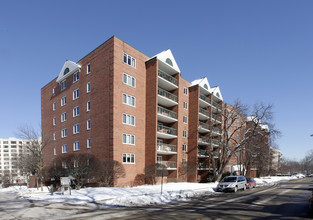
x=230, y=179
x=250, y=179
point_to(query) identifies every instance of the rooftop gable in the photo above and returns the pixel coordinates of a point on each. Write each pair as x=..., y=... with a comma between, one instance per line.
x=167, y=58
x=68, y=69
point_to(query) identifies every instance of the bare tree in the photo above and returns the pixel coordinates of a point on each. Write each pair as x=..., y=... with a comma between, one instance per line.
x=153, y=171
x=35, y=145
x=187, y=169
x=111, y=171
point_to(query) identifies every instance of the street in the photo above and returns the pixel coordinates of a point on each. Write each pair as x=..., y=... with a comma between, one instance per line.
x=287, y=200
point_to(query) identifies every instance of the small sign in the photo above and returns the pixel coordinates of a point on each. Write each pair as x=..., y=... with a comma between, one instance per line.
x=20, y=182
x=65, y=181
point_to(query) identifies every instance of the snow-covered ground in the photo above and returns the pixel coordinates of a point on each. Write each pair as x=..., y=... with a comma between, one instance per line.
x=132, y=196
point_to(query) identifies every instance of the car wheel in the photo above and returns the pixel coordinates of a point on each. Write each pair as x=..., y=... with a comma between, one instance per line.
x=236, y=188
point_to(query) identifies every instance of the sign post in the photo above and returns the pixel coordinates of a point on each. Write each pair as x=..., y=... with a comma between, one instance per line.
x=65, y=182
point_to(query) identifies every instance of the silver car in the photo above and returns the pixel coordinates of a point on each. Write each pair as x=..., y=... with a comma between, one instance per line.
x=232, y=183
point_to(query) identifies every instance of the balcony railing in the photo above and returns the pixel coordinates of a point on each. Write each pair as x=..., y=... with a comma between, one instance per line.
x=168, y=164
x=205, y=112
x=216, y=130
x=166, y=112
x=202, y=152
x=167, y=94
x=203, y=166
x=215, y=154
x=167, y=77
x=215, y=142
x=217, y=105
x=166, y=130
x=167, y=148
x=217, y=118
x=204, y=139
x=204, y=98
x=204, y=125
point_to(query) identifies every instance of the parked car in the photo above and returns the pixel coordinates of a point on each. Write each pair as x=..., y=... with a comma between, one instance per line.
x=251, y=183
x=232, y=183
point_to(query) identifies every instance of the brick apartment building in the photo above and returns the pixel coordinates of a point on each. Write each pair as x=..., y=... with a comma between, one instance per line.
x=119, y=104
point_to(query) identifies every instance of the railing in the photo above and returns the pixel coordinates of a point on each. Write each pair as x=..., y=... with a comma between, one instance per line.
x=203, y=165
x=204, y=139
x=204, y=98
x=166, y=130
x=215, y=142
x=168, y=164
x=167, y=77
x=204, y=125
x=167, y=94
x=167, y=147
x=215, y=154
x=217, y=118
x=205, y=112
x=216, y=105
x=216, y=130
x=202, y=152
x=166, y=112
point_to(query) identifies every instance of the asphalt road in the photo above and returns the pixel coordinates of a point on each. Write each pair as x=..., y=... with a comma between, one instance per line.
x=288, y=200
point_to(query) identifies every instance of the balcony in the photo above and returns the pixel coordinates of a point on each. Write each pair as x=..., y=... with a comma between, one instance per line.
x=168, y=165
x=216, y=131
x=215, y=154
x=204, y=101
x=203, y=140
x=203, y=153
x=204, y=114
x=166, y=81
x=166, y=149
x=203, y=127
x=215, y=143
x=165, y=115
x=216, y=119
x=203, y=166
x=166, y=98
x=217, y=107
x=166, y=132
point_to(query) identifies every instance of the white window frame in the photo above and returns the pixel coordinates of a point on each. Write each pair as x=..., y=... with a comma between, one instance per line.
x=88, y=142
x=186, y=105
x=63, y=101
x=75, y=77
x=88, y=106
x=53, y=91
x=54, y=106
x=54, y=136
x=129, y=139
x=88, y=87
x=75, y=111
x=76, y=146
x=129, y=119
x=185, y=133
x=129, y=100
x=55, y=151
x=64, y=133
x=186, y=91
x=76, y=128
x=64, y=148
x=63, y=117
x=185, y=119
x=131, y=61
x=88, y=70
x=88, y=124
x=129, y=158
x=54, y=121
x=63, y=85
x=185, y=149
x=129, y=80
x=76, y=94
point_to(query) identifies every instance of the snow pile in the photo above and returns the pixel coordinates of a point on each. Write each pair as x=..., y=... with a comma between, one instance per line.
x=132, y=196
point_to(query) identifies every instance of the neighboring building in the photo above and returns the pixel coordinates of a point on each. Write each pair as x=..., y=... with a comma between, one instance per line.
x=10, y=151
x=119, y=104
x=275, y=162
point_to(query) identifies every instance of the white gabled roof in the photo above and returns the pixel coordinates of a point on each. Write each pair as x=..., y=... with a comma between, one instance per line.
x=217, y=92
x=70, y=67
x=167, y=57
x=203, y=84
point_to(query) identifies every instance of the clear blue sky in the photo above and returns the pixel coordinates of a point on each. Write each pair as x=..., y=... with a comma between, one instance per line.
x=254, y=50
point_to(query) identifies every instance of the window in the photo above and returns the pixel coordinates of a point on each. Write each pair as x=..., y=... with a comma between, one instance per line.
x=76, y=111
x=185, y=105
x=75, y=94
x=129, y=80
x=185, y=91
x=64, y=133
x=54, y=121
x=54, y=136
x=63, y=117
x=88, y=87
x=75, y=77
x=88, y=68
x=185, y=119
x=129, y=60
x=76, y=145
x=53, y=91
x=64, y=165
x=53, y=106
x=76, y=164
x=63, y=85
x=64, y=148
x=129, y=139
x=88, y=106
x=76, y=129
x=55, y=151
x=159, y=159
x=88, y=143
x=184, y=147
x=129, y=158
x=129, y=119
x=88, y=124
x=184, y=161
x=63, y=101
x=129, y=100
x=184, y=133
